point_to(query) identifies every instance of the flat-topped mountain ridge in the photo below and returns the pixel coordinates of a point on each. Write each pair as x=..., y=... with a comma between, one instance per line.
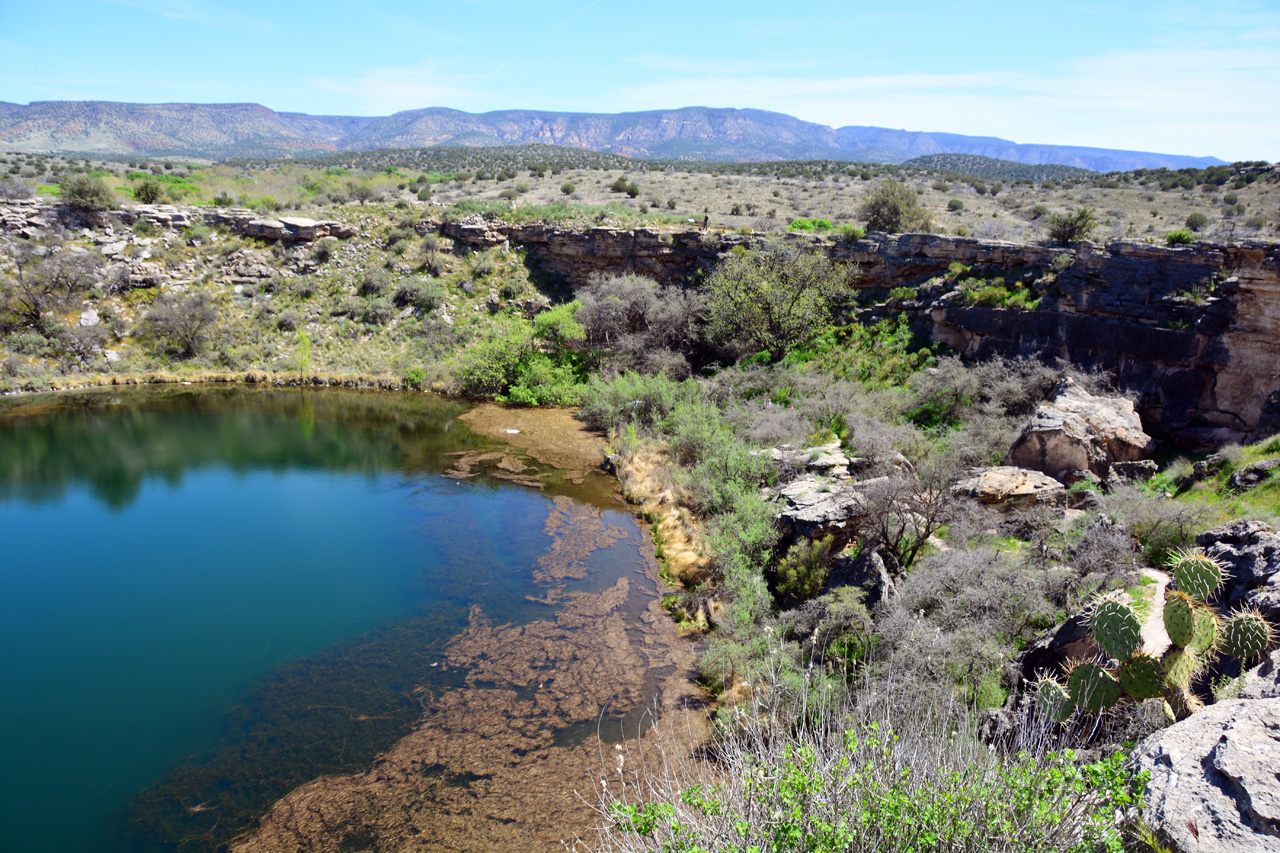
x=688, y=133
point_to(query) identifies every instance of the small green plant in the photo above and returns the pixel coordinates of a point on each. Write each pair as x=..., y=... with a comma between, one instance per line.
x=1197, y=221
x=414, y=378
x=567, y=188
x=955, y=205
x=1180, y=237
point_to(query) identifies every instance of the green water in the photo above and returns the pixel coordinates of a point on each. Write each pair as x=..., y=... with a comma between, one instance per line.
x=208, y=597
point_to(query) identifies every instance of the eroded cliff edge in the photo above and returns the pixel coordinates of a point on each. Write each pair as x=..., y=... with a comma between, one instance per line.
x=1194, y=330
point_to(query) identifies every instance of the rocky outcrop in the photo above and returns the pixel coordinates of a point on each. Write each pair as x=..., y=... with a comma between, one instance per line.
x=28, y=218
x=1193, y=331
x=1007, y=488
x=1214, y=786
x=1080, y=431
x=577, y=256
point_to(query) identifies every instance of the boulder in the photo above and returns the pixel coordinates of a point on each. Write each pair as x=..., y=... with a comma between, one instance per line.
x=815, y=507
x=1080, y=431
x=1007, y=488
x=1254, y=474
x=1263, y=681
x=1214, y=785
x=866, y=571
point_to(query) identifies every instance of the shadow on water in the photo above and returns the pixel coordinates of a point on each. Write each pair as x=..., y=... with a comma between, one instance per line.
x=335, y=711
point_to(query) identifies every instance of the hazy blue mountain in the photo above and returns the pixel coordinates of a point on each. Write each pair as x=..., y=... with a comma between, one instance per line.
x=692, y=133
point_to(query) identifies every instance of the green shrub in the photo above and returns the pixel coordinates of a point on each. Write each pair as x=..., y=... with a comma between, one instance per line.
x=648, y=401
x=147, y=191
x=894, y=207
x=1180, y=237
x=414, y=377
x=902, y=293
x=902, y=780
x=539, y=381
x=376, y=312
x=490, y=365
x=421, y=295
x=1197, y=221
x=1071, y=227
x=955, y=205
x=803, y=572
x=86, y=192
x=567, y=188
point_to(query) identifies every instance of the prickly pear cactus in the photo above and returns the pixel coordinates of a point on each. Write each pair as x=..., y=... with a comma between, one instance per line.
x=1053, y=700
x=1205, y=633
x=1142, y=677
x=1198, y=575
x=1092, y=688
x=1246, y=635
x=1179, y=617
x=1116, y=628
x=1182, y=703
x=1180, y=667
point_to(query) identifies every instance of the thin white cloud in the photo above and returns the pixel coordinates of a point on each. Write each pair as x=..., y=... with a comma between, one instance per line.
x=195, y=12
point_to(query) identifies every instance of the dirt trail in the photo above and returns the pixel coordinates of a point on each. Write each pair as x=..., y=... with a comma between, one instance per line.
x=1154, y=638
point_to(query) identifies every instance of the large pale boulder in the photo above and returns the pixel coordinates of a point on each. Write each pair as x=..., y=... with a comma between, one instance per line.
x=1215, y=779
x=1005, y=487
x=1080, y=431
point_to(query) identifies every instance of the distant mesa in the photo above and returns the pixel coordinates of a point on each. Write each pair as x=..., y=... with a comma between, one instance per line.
x=690, y=133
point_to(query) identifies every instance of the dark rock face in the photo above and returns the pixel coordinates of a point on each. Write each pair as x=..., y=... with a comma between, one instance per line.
x=1214, y=783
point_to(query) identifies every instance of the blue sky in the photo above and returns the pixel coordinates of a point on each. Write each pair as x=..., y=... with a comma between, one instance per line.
x=1188, y=78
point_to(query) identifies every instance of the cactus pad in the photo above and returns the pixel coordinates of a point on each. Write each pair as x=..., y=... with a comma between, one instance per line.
x=1182, y=702
x=1198, y=575
x=1053, y=700
x=1205, y=633
x=1180, y=667
x=1179, y=617
x=1092, y=688
x=1116, y=628
x=1142, y=677
x=1246, y=635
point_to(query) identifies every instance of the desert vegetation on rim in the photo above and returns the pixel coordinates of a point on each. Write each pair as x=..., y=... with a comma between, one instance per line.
x=817, y=475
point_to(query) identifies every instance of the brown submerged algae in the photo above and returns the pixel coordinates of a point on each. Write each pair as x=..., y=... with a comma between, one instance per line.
x=513, y=759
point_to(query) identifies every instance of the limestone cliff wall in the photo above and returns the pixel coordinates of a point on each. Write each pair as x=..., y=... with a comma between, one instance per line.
x=1195, y=330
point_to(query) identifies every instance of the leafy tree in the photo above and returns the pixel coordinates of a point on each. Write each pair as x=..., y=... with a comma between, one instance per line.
x=895, y=208
x=86, y=192
x=1070, y=227
x=770, y=299
x=147, y=191
x=362, y=193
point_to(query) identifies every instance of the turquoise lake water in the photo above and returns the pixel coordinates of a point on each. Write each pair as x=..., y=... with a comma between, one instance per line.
x=201, y=590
